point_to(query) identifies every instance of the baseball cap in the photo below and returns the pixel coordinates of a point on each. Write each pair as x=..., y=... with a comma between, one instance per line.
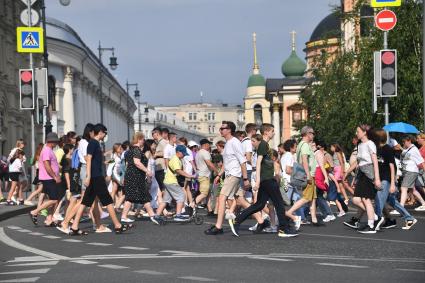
x=192, y=143
x=204, y=141
x=182, y=149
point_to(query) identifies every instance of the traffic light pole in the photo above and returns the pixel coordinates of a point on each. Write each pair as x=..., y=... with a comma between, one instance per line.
x=32, y=111
x=386, y=106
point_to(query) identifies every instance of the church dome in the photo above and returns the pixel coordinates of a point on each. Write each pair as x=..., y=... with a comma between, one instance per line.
x=329, y=27
x=256, y=80
x=293, y=66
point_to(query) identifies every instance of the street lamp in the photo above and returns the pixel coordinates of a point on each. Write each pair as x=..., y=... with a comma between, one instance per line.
x=113, y=65
x=137, y=95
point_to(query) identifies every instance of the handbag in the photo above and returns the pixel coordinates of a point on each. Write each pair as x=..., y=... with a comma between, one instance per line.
x=298, y=175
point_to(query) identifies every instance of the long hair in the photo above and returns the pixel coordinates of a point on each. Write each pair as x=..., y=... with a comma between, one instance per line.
x=37, y=153
x=87, y=129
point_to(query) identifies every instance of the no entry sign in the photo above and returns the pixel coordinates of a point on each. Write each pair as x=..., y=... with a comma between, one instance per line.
x=386, y=20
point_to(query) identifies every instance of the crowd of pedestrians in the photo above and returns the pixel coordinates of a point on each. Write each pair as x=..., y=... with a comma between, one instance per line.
x=241, y=176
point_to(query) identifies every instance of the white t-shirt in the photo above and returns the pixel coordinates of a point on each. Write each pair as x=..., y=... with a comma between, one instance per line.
x=201, y=156
x=15, y=166
x=169, y=151
x=82, y=150
x=187, y=165
x=233, y=157
x=392, y=142
x=287, y=159
x=365, y=151
x=410, y=159
x=247, y=148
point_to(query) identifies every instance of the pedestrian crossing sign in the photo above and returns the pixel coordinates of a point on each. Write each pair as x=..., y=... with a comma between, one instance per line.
x=29, y=39
x=385, y=3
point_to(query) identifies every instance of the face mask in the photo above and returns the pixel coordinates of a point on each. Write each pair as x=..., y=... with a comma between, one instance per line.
x=105, y=139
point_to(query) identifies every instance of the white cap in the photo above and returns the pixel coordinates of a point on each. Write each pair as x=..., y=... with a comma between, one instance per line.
x=192, y=143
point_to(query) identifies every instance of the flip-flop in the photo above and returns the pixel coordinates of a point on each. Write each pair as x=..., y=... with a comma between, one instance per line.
x=123, y=228
x=77, y=232
x=33, y=219
x=63, y=230
x=104, y=230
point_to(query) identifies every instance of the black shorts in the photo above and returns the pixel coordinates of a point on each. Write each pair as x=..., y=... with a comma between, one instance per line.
x=159, y=176
x=99, y=189
x=14, y=176
x=53, y=190
x=4, y=176
x=364, y=187
x=36, y=181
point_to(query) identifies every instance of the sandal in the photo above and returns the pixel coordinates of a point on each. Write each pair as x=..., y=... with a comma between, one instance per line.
x=77, y=232
x=33, y=219
x=52, y=224
x=123, y=228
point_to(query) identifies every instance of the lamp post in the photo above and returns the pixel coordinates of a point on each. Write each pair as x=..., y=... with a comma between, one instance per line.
x=137, y=95
x=113, y=65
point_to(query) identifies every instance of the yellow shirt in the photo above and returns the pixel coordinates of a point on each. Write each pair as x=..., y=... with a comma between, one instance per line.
x=175, y=164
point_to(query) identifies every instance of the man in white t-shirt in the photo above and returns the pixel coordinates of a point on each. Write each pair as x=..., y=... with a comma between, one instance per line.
x=170, y=148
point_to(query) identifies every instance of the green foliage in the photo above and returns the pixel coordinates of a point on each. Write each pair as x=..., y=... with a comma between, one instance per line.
x=340, y=96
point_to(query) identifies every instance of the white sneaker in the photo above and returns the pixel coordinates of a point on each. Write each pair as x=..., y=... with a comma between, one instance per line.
x=327, y=219
x=332, y=217
x=420, y=208
x=270, y=229
x=332, y=203
x=230, y=216
x=28, y=203
x=14, y=199
x=298, y=223
x=394, y=212
x=58, y=217
x=409, y=224
x=253, y=228
x=127, y=220
x=341, y=214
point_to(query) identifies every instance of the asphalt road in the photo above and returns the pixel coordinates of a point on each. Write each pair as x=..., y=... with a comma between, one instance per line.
x=182, y=253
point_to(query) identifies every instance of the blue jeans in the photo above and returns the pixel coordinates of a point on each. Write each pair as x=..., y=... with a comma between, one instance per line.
x=381, y=197
x=322, y=204
x=293, y=196
x=392, y=200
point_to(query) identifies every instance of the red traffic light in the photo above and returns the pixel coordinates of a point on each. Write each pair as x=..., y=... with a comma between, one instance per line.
x=26, y=76
x=388, y=57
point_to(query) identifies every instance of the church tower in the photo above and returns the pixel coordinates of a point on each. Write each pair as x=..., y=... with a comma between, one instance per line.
x=256, y=106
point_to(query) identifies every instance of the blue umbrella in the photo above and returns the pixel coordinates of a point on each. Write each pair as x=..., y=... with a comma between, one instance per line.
x=401, y=127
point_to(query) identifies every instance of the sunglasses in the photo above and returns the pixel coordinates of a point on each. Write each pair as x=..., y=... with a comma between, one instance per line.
x=311, y=133
x=225, y=128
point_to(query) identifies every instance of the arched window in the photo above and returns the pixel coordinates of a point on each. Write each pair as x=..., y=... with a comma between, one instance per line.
x=258, y=114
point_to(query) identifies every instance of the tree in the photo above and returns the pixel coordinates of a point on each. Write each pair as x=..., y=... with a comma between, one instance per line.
x=340, y=96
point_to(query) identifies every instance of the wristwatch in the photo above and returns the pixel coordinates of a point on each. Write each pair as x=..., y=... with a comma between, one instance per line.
x=245, y=179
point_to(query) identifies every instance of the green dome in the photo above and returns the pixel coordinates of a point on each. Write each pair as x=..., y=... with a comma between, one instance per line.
x=256, y=80
x=293, y=66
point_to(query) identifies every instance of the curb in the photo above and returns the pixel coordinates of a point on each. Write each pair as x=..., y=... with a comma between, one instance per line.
x=9, y=214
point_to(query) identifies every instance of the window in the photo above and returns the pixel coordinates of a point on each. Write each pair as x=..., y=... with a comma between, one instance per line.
x=211, y=116
x=210, y=129
x=192, y=116
x=258, y=114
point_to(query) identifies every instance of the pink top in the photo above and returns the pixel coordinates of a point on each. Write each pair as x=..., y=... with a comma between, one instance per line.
x=47, y=154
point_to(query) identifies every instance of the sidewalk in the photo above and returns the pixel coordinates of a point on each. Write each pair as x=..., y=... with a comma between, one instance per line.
x=9, y=211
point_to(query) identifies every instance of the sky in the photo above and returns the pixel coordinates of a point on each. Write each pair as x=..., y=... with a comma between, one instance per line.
x=176, y=49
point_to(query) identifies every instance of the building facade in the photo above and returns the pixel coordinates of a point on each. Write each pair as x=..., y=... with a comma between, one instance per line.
x=148, y=117
x=76, y=70
x=206, y=118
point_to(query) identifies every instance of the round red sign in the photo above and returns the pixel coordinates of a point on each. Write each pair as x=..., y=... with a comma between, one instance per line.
x=386, y=20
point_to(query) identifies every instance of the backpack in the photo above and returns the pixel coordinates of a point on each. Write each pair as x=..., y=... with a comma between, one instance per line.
x=298, y=175
x=75, y=160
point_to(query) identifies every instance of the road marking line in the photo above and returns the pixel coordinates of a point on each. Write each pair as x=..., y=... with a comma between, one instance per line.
x=195, y=278
x=51, y=237
x=12, y=243
x=35, y=263
x=134, y=248
x=179, y=252
x=411, y=270
x=29, y=271
x=112, y=266
x=24, y=231
x=99, y=244
x=83, y=261
x=36, y=234
x=341, y=265
x=365, y=238
x=270, y=258
x=150, y=272
x=14, y=227
x=72, y=241
x=29, y=258
x=30, y=279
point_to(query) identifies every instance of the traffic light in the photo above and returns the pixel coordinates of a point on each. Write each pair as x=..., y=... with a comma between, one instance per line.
x=26, y=89
x=388, y=71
